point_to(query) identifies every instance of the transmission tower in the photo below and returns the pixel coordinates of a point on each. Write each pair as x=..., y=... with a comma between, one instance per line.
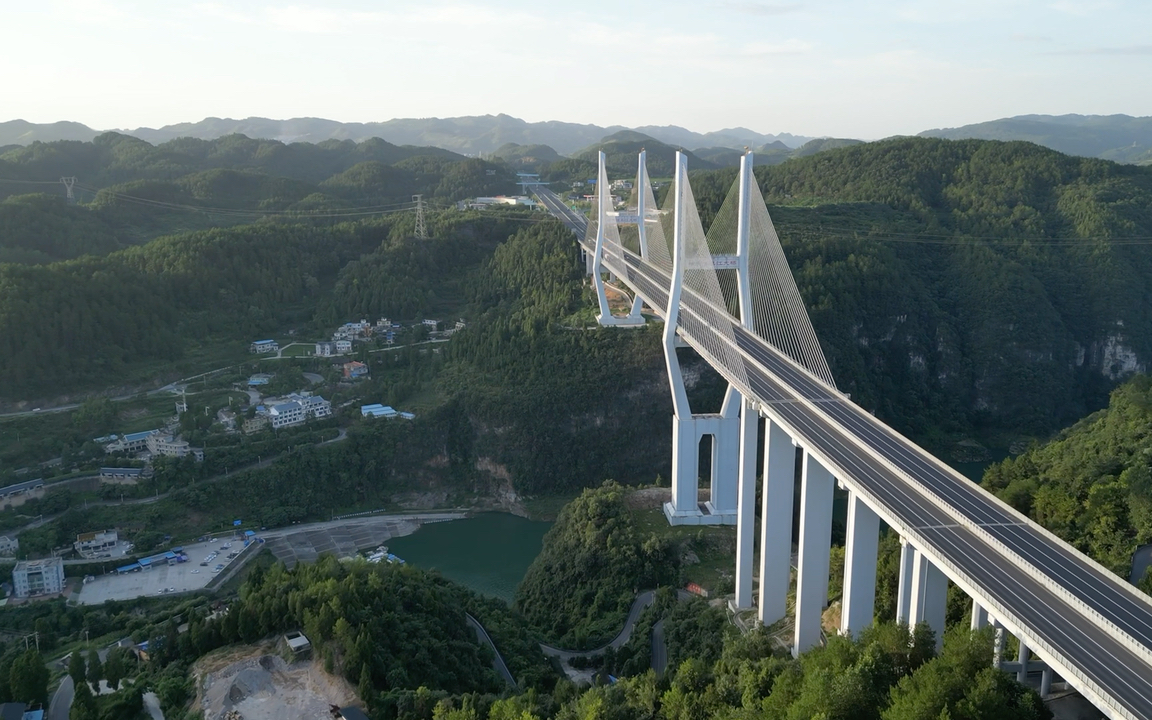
x=68, y=183
x=421, y=229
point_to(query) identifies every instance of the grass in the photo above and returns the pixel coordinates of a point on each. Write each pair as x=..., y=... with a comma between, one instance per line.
x=298, y=350
x=713, y=545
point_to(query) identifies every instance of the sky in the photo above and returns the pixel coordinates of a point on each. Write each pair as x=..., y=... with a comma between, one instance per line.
x=844, y=68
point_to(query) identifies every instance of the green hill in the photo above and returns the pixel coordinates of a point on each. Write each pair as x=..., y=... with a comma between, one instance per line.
x=1091, y=485
x=621, y=149
x=1122, y=138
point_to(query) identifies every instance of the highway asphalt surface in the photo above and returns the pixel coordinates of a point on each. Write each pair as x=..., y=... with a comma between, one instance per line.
x=925, y=499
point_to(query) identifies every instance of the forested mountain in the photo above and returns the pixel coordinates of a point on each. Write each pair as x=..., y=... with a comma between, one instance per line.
x=113, y=158
x=970, y=283
x=471, y=135
x=1122, y=138
x=1092, y=484
x=132, y=192
x=622, y=148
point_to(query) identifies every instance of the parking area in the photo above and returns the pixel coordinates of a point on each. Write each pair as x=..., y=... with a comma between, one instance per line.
x=162, y=578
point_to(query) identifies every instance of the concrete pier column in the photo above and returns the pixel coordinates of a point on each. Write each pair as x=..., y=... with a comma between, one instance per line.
x=726, y=457
x=1022, y=657
x=776, y=522
x=929, y=601
x=815, y=546
x=1046, y=682
x=746, y=504
x=904, y=588
x=998, y=646
x=979, y=616
x=685, y=466
x=863, y=538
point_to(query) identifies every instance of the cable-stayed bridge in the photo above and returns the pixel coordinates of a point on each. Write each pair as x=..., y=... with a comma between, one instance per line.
x=729, y=294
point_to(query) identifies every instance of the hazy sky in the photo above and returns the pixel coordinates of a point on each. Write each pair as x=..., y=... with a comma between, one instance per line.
x=813, y=67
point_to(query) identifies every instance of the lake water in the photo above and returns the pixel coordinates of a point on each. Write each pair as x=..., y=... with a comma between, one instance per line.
x=488, y=553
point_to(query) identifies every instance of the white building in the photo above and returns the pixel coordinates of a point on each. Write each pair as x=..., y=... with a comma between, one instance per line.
x=88, y=544
x=377, y=410
x=299, y=410
x=343, y=347
x=171, y=446
x=38, y=577
x=131, y=443
x=325, y=349
x=9, y=546
x=20, y=493
x=260, y=347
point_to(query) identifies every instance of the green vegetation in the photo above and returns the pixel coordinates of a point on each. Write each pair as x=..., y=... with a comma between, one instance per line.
x=1092, y=484
x=579, y=589
x=1113, y=137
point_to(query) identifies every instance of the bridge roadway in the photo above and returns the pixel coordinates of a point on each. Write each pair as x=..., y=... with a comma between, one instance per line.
x=1079, y=612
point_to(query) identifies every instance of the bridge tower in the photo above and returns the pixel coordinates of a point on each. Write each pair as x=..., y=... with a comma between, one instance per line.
x=606, y=219
x=688, y=429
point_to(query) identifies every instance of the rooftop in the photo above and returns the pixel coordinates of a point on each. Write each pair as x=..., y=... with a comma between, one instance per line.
x=137, y=436
x=40, y=564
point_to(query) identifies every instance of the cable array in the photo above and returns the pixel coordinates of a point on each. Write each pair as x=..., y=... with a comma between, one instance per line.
x=779, y=315
x=703, y=317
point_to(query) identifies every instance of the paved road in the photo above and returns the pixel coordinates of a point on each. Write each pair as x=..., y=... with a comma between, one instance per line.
x=948, y=514
x=574, y=220
x=62, y=700
x=498, y=660
x=659, y=648
x=642, y=601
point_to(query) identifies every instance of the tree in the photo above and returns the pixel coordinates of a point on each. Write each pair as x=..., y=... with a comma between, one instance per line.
x=95, y=669
x=28, y=678
x=114, y=668
x=77, y=668
x=83, y=704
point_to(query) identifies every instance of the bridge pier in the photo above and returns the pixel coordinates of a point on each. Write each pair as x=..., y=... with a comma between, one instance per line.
x=776, y=522
x=746, y=503
x=860, y=556
x=1022, y=657
x=979, y=616
x=816, y=488
x=904, y=587
x=929, y=597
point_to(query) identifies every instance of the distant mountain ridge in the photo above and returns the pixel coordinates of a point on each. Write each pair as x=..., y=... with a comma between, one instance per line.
x=467, y=135
x=1122, y=138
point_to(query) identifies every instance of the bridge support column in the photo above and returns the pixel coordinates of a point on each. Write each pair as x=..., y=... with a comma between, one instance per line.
x=979, y=616
x=685, y=464
x=776, y=522
x=904, y=588
x=746, y=504
x=863, y=538
x=815, y=546
x=1046, y=682
x=1022, y=657
x=929, y=600
x=726, y=452
x=998, y=646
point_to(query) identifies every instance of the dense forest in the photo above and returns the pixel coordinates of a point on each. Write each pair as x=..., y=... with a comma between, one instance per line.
x=594, y=561
x=970, y=284
x=958, y=288
x=1092, y=484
